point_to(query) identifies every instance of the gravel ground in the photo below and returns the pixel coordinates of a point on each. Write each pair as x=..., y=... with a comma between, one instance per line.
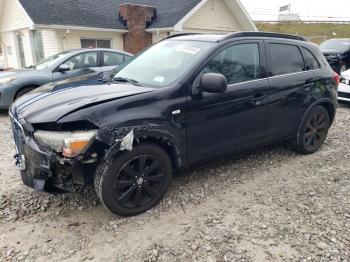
x=269, y=204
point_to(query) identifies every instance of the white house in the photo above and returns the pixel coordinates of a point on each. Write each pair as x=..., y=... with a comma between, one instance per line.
x=31, y=30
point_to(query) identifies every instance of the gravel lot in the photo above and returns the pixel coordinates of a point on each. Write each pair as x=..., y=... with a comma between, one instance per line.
x=267, y=204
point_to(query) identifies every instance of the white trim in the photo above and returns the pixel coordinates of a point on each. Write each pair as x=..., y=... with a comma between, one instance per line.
x=156, y=30
x=81, y=28
x=246, y=14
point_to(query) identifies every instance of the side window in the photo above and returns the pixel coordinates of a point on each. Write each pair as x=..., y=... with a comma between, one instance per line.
x=285, y=59
x=87, y=59
x=311, y=62
x=127, y=58
x=112, y=59
x=238, y=63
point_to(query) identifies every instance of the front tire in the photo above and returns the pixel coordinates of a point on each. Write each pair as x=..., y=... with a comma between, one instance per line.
x=313, y=132
x=132, y=182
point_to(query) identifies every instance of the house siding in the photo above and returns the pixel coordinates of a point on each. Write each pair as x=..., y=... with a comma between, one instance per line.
x=213, y=16
x=13, y=16
x=51, y=42
x=72, y=39
x=8, y=40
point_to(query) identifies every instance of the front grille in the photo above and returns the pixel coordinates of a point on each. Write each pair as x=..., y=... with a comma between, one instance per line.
x=344, y=95
x=331, y=57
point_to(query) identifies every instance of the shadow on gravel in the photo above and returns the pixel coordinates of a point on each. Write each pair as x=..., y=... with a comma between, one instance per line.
x=189, y=186
x=255, y=155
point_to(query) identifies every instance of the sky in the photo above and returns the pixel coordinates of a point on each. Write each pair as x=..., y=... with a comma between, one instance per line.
x=308, y=9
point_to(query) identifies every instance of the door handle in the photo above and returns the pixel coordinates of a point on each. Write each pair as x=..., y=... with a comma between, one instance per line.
x=308, y=87
x=259, y=99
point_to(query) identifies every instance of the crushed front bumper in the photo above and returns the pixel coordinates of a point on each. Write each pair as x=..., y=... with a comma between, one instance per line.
x=43, y=171
x=33, y=163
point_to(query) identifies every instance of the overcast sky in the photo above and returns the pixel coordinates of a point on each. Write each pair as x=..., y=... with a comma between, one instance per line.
x=308, y=9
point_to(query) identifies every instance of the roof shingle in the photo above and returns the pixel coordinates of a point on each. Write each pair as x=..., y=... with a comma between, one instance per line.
x=102, y=13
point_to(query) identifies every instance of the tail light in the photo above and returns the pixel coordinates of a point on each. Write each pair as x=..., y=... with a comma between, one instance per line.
x=336, y=78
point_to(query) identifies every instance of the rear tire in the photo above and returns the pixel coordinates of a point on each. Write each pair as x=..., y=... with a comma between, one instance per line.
x=134, y=181
x=313, y=132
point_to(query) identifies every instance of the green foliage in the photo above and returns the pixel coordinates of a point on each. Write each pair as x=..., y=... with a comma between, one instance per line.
x=315, y=32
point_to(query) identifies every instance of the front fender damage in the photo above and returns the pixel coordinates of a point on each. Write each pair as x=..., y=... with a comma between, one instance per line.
x=125, y=138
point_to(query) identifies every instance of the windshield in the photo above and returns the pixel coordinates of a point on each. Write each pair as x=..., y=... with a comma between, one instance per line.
x=337, y=45
x=164, y=63
x=44, y=64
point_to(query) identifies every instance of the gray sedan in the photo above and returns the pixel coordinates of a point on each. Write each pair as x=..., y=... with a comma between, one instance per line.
x=16, y=83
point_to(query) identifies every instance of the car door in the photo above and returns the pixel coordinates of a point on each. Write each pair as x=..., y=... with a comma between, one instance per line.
x=80, y=64
x=219, y=123
x=111, y=60
x=290, y=86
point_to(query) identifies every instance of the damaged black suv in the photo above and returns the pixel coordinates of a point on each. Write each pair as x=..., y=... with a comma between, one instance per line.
x=184, y=100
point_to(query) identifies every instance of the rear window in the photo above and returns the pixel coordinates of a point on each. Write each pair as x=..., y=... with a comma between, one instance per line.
x=285, y=59
x=311, y=62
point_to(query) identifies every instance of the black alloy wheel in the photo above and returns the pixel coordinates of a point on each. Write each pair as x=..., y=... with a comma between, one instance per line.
x=316, y=131
x=134, y=181
x=313, y=132
x=139, y=181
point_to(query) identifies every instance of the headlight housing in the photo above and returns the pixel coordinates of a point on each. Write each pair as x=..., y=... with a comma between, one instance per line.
x=7, y=80
x=70, y=144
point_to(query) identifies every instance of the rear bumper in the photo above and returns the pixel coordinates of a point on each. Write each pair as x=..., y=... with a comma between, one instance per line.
x=344, y=92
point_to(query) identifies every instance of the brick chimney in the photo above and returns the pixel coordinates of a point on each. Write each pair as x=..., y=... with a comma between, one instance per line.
x=137, y=18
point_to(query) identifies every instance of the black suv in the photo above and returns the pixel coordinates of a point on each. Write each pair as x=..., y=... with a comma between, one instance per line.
x=185, y=100
x=337, y=53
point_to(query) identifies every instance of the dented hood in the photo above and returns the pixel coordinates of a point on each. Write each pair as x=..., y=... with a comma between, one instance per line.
x=44, y=106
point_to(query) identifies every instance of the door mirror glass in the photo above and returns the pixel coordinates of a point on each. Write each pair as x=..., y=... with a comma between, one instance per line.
x=213, y=83
x=64, y=68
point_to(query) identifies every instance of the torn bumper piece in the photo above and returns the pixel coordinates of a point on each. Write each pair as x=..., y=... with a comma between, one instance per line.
x=34, y=164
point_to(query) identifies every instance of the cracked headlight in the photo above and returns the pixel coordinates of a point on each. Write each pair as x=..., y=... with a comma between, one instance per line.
x=70, y=144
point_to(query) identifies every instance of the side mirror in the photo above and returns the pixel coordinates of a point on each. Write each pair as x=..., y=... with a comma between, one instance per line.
x=213, y=83
x=63, y=68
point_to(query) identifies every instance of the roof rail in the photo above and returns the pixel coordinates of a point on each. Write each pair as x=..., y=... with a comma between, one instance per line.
x=262, y=34
x=181, y=34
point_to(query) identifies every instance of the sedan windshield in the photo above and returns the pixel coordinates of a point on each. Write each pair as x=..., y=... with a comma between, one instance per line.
x=164, y=63
x=339, y=45
x=47, y=62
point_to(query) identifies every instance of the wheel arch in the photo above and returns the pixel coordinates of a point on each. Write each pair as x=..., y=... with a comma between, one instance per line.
x=24, y=87
x=161, y=139
x=164, y=143
x=326, y=103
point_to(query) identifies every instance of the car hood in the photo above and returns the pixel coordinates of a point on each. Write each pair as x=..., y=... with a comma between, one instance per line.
x=330, y=51
x=84, y=80
x=47, y=106
x=15, y=73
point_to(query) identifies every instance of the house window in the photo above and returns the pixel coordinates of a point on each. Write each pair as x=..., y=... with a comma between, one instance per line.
x=95, y=43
